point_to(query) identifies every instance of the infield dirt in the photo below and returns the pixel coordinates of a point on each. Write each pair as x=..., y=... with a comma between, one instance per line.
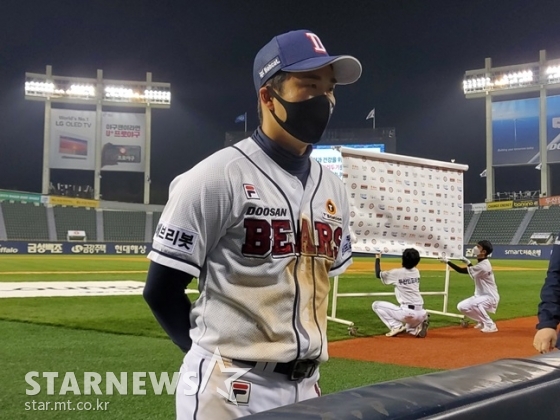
x=444, y=348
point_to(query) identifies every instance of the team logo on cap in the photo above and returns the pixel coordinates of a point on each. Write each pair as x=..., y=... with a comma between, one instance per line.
x=317, y=44
x=239, y=392
x=251, y=192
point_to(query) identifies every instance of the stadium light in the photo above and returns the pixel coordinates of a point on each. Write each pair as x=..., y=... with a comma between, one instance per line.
x=510, y=79
x=97, y=92
x=538, y=77
x=85, y=90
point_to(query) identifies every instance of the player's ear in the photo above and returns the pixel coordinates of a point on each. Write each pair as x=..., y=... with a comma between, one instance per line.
x=266, y=98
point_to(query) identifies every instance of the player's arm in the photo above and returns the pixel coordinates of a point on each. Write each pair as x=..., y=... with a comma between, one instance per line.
x=386, y=277
x=378, y=266
x=546, y=337
x=344, y=256
x=165, y=294
x=462, y=270
x=549, y=307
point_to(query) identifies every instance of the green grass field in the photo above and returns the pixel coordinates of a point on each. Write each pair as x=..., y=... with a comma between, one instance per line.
x=118, y=333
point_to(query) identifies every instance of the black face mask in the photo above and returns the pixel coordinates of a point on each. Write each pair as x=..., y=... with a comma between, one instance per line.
x=306, y=120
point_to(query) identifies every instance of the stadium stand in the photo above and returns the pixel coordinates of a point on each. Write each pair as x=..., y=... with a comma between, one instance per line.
x=25, y=221
x=155, y=220
x=75, y=218
x=544, y=220
x=467, y=219
x=32, y=221
x=497, y=226
x=126, y=226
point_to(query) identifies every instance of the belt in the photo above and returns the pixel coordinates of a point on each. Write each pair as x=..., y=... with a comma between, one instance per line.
x=414, y=307
x=294, y=370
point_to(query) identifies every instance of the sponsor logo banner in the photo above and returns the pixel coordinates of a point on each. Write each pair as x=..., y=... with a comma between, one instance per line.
x=549, y=201
x=73, y=134
x=478, y=206
x=72, y=201
x=123, y=137
x=396, y=205
x=525, y=203
x=515, y=127
x=74, y=248
x=72, y=139
x=522, y=252
x=499, y=205
x=20, y=196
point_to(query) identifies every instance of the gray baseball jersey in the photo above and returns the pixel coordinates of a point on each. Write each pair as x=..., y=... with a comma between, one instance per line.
x=263, y=248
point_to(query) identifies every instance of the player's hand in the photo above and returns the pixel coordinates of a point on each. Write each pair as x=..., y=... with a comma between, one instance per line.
x=378, y=255
x=444, y=260
x=545, y=340
x=465, y=260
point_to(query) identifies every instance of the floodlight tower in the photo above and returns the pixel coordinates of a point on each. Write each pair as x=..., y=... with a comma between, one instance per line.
x=511, y=80
x=98, y=92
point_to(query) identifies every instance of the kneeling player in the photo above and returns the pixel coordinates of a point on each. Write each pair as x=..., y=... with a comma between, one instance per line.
x=410, y=315
x=486, y=297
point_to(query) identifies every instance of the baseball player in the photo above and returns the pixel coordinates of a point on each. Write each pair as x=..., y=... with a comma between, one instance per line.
x=546, y=337
x=263, y=227
x=486, y=297
x=409, y=316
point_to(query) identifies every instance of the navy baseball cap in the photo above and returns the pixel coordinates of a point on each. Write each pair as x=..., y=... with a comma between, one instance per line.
x=299, y=51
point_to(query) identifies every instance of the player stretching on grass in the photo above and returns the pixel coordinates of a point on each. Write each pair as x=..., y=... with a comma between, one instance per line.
x=410, y=315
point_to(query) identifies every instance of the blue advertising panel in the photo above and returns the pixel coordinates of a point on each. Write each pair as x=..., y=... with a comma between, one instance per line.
x=74, y=248
x=522, y=252
x=515, y=131
x=512, y=252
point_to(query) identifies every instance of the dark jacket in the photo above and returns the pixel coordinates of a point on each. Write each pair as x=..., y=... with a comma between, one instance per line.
x=549, y=308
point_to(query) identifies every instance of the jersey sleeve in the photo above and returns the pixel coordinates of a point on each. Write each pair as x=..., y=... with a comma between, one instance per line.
x=194, y=217
x=388, y=277
x=549, y=307
x=344, y=257
x=476, y=270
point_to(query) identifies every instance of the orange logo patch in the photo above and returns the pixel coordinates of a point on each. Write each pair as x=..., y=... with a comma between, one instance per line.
x=331, y=208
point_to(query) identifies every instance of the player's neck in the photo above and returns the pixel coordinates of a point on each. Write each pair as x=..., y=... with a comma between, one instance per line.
x=282, y=138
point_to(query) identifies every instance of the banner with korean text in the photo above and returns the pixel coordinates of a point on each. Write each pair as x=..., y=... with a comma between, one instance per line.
x=398, y=202
x=123, y=142
x=73, y=140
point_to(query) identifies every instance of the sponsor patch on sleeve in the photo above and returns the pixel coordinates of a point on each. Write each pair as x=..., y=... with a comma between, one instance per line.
x=170, y=236
x=346, y=246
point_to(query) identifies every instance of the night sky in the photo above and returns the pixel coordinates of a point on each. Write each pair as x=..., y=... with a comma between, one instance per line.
x=414, y=54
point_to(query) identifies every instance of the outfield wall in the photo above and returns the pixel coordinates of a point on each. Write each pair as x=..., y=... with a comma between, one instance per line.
x=513, y=389
x=74, y=248
x=513, y=252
